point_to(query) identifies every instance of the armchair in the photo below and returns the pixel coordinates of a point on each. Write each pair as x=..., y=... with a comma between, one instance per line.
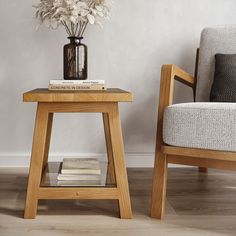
x=199, y=133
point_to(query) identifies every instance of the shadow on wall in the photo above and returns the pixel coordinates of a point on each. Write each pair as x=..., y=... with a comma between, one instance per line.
x=140, y=128
x=139, y=125
x=187, y=60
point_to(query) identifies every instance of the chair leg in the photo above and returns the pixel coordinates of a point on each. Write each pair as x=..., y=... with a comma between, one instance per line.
x=159, y=186
x=202, y=169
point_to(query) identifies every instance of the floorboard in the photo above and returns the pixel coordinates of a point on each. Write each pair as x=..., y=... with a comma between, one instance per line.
x=197, y=204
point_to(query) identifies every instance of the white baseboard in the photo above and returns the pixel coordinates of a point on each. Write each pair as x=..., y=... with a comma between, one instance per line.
x=23, y=159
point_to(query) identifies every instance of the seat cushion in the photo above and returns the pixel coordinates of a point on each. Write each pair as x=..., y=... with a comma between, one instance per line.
x=202, y=125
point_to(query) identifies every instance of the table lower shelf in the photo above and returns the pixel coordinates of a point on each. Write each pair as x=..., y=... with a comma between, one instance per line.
x=78, y=193
x=49, y=179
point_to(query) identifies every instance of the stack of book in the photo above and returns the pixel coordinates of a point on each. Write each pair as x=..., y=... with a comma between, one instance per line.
x=79, y=171
x=77, y=85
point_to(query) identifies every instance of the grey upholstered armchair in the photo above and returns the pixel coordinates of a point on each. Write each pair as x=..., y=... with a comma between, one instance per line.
x=200, y=133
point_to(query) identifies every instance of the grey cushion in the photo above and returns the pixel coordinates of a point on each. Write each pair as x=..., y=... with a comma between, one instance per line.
x=213, y=41
x=201, y=125
x=224, y=85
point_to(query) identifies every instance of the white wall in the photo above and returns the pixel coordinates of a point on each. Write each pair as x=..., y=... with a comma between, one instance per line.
x=128, y=53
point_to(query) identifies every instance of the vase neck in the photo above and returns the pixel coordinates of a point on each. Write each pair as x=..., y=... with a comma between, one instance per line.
x=74, y=39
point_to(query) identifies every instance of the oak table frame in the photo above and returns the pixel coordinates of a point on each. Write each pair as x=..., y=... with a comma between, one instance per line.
x=105, y=102
x=165, y=154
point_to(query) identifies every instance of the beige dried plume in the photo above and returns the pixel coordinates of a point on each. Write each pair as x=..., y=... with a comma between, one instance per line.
x=74, y=15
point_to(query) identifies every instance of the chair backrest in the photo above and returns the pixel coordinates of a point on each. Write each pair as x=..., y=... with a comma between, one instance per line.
x=213, y=40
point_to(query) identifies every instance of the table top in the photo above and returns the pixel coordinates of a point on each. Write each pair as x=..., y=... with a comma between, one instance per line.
x=109, y=95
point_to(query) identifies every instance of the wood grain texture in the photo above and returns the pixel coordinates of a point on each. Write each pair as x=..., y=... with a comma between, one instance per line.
x=159, y=187
x=119, y=162
x=200, y=153
x=181, y=75
x=115, y=149
x=203, y=162
x=48, y=138
x=197, y=204
x=78, y=193
x=107, y=132
x=36, y=165
x=178, y=155
x=160, y=165
x=88, y=107
x=109, y=95
x=202, y=169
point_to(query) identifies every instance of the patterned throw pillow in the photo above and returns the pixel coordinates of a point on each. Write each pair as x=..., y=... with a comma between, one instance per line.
x=224, y=85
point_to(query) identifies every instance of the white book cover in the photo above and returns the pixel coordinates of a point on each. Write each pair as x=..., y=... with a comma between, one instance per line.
x=78, y=177
x=51, y=172
x=76, y=87
x=81, y=166
x=61, y=82
x=80, y=163
x=81, y=171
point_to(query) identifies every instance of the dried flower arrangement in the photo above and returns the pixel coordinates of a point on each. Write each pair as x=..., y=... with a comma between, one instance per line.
x=74, y=15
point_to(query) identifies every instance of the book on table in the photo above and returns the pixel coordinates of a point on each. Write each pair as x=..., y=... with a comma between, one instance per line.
x=79, y=171
x=77, y=85
x=89, y=82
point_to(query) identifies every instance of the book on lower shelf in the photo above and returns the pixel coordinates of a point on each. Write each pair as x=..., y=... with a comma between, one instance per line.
x=77, y=85
x=79, y=171
x=81, y=166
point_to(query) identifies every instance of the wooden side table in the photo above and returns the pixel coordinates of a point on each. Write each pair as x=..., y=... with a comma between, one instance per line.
x=105, y=102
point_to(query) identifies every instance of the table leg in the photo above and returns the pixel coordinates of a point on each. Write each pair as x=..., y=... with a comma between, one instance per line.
x=37, y=157
x=202, y=169
x=119, y=162
x=48, y=138
x=107, y=132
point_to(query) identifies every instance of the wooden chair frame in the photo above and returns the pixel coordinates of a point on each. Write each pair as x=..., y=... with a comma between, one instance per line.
x=178, y=155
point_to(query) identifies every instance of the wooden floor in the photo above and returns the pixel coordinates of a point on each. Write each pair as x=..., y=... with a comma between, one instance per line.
x=198, y=204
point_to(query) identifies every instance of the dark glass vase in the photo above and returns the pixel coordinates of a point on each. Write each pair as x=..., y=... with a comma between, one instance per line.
x=75, y=60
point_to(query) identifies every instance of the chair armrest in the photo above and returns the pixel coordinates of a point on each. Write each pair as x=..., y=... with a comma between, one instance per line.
x=170, y=73
x=180, y=75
